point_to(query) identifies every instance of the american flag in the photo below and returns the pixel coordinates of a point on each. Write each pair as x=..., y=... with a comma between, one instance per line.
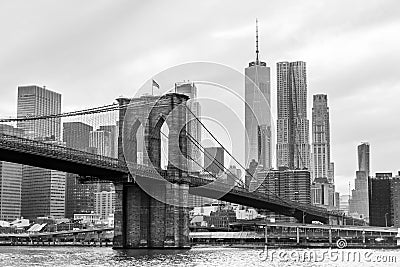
x=155, y=84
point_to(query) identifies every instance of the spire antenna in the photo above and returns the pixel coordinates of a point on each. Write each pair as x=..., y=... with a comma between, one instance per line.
x=257, y=41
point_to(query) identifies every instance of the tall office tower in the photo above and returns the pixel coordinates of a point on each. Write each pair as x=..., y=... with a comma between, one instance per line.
x=363, y=158
x=289, y=184
x=76, y=135
x=10, y=182
x=189, y=89
x=323, y=193
x=101, y=142
x=43, y=190
x=214, y=159
x=36, y=101
x=79, y=198
x=258, y=112
x=43, y=193
x=293, y=147
x=113, y=130
x=379, y=193
x=321, y=149
x=358, y=204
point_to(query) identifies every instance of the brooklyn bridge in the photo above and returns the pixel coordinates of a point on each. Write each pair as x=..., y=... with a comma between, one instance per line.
x=151, y=207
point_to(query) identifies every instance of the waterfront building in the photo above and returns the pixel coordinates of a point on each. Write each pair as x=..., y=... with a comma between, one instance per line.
x=380, y=205
x=104, y=203
x=221, y=218
x=384, y=200
x=293, y=148
x=258, y=143
x=395, y=200
x=88, y=218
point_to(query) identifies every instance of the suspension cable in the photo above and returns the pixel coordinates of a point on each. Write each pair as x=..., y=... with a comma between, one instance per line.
x=251, y=175
x=209, y=156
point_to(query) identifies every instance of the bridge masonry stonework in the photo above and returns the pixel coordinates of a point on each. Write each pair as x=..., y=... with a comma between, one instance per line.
x=153, y=213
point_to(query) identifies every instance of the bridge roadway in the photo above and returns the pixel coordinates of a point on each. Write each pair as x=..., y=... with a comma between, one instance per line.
x=57, y=157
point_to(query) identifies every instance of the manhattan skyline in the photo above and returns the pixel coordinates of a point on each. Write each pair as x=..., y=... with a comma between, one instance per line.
x=350, y=56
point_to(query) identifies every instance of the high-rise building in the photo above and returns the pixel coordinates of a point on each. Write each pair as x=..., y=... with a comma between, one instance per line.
x=10, y=182
x=323, y=193
x=113, y=130
x=358, y=204
x=395, y=200
x=258, y=112
x=101, y=141
x=363, y=158
x=194, y=127
x=234, y=174
x=321, y=150
x=380, y=205
x=79, y=197
x=43, y=190
x=76, y=135
x=104, y=203
x=344, y=203
x=214, y=159
x=43, y=193
x=37, y=101
x=293, y=147
x=289, y=184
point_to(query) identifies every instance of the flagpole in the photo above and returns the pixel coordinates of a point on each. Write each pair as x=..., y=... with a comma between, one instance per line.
x=152, y=87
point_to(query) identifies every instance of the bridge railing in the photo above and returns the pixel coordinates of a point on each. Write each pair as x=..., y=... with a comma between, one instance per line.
x=50, y=149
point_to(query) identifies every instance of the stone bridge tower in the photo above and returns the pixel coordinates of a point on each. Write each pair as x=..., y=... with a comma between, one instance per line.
x=151, y=209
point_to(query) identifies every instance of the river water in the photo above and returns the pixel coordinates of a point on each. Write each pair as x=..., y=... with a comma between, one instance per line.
x=211, y=256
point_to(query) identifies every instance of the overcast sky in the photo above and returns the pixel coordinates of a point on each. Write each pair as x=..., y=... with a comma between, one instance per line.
x=95, y=51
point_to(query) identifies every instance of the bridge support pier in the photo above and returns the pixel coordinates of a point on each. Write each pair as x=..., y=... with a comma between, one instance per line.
x=144, y=222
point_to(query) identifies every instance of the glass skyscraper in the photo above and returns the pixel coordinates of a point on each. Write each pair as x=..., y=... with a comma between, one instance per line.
x=258, y=113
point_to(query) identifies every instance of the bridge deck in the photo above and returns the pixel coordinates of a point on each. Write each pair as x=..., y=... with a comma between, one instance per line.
x=44, y=154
